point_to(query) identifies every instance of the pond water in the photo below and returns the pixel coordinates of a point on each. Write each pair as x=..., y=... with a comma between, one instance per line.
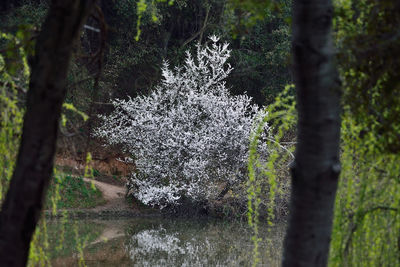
x=161, y=242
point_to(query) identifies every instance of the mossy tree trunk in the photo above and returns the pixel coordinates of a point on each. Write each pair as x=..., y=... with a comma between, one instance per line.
x=316, y=169
x=24, y=201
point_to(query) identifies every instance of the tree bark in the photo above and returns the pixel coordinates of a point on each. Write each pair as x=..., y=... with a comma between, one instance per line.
x=22, y=206
x=316, y=169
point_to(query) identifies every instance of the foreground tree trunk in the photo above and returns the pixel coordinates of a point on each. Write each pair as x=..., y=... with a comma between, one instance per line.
x=24, y=200
x=316, y=169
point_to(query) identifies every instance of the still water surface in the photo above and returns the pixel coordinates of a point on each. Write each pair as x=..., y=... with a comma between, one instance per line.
x=162, y=242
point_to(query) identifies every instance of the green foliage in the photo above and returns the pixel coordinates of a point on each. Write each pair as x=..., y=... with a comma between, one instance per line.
x=249, y=12
x=15, y=47
x=10, y=130
x=12, y=84
x=63, y=238
x=367, y=213
x=30, y=13
x=38, y=255
x=76, y=108
x=71, y=107
x=368, y=40
x=261, y=60
x=14, y=77
x=134, y=66
x=142, y=7
x=260, y=53
x=268, y=178
x=73, y=193
x=366, y=229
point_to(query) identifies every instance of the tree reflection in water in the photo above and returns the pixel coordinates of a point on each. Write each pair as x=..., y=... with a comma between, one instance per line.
x=201, y=244
x=167, y=242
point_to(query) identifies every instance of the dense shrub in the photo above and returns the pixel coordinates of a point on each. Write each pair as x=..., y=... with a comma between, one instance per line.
x=190, y=137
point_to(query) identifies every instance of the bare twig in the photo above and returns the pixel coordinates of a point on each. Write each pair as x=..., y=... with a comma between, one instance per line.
x=199, y=32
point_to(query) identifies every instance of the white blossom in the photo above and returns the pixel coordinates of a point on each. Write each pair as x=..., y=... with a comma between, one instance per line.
x=189, y=136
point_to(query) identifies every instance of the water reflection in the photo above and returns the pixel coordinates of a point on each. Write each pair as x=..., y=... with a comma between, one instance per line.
x=174, y=242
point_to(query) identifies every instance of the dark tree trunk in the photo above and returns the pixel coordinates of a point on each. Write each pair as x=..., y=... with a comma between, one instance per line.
x=22, y=206
x=316, y=168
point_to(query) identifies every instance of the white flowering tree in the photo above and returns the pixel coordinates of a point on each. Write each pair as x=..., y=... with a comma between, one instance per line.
x=189, y=137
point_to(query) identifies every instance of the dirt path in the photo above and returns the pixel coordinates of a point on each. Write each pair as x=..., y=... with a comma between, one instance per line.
x=114, y=195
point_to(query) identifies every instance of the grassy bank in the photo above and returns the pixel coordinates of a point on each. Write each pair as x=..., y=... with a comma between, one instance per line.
x=68, y=192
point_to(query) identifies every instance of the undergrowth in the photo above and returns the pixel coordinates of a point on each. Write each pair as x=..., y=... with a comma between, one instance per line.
x=72, y=192
x=268, y=185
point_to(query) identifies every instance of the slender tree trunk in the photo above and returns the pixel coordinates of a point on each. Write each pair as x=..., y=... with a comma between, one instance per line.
x=22, y=206
x=316, y=169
